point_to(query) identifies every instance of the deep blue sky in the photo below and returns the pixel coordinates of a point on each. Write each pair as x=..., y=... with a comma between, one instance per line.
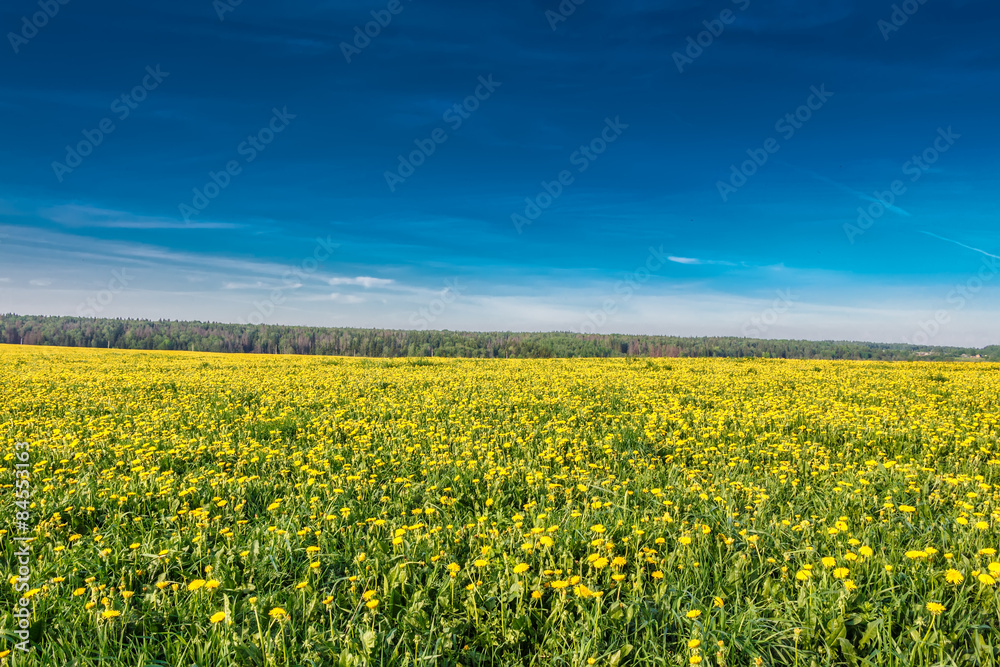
x=443, y=240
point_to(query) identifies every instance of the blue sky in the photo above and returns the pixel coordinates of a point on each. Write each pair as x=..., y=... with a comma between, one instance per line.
x=643, y=109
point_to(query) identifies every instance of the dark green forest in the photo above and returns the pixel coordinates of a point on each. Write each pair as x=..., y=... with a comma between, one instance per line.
x=132, y=334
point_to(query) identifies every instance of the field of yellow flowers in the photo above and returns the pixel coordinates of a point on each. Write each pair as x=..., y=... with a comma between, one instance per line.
x=264, y=510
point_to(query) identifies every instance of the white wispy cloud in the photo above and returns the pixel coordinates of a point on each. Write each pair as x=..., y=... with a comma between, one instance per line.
x=77, y=215
x=364, y=281
x=857, y=193
x=63, y=249
x=696, y=261
x=346, y=298
x=958, y=243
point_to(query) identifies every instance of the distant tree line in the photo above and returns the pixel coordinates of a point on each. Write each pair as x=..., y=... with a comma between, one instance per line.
x=129, y=334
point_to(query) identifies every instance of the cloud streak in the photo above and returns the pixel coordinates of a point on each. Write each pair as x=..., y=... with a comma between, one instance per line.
x=83, y=216
x=692, y=261
x=363, y=281
x=959, y=243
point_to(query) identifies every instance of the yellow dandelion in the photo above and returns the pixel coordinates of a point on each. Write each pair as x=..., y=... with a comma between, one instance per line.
x=935, y=608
